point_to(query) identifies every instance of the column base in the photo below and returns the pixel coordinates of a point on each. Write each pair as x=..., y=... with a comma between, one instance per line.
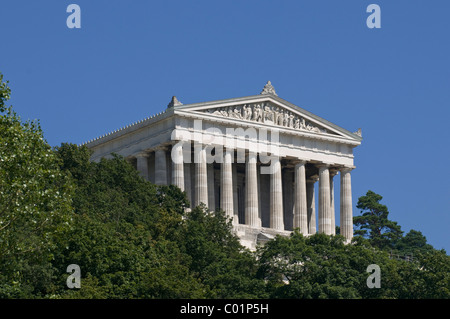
x=250, y=237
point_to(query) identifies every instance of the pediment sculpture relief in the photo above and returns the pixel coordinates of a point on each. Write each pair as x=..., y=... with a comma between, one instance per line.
x=268, y=114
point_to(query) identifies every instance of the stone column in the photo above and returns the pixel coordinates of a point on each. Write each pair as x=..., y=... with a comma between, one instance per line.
x=346, y=204
x=287, y=177
x=235, y=191
x=241, y=199
x=142, y=164
x=177, y=166
x=324, y=200
x=258, y=182
x=192, y=182
x=311, y=203
x=201, y=176
x=160, y=166
x=276, y=196
x=226, y=189
x=300, y=200
x=211, y=194
x=217, y=177
x=188, y=183
x=187, y=166
x=251, y=192
x=151, y=167
x=333, y=172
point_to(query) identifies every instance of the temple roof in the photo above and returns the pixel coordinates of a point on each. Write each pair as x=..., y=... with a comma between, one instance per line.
x=267, y=95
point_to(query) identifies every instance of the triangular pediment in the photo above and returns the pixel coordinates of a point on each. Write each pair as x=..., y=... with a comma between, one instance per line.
x=269, y=114
x=270, y=111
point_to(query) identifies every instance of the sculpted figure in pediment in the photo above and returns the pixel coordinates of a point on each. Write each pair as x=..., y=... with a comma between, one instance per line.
x=280, y=117
x=268, y=114
x=237, y=112
x=285, y=118
x=303, y=124
x=291, y=120
x=257, y=113
x=247, y=112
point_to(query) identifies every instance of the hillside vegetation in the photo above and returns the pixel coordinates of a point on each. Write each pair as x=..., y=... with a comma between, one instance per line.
x=132, y=239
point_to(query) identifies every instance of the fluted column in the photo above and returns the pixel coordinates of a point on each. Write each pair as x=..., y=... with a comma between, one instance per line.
x=177, y=166
x=235, y=192
x=311, y=203
x=201, y=176
x=160, y=166
x=142, y=164
x=251, y=192
x=276, y=196
x=300, y=200
x=346, y=204
x=226, y=187
x=287, y=176
x=258, y=181
x=333, y=173
x=211, y=194
x=188, y=183
x=324, y=200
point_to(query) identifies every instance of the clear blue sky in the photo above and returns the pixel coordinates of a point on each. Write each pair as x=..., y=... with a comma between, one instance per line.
x=130, y=57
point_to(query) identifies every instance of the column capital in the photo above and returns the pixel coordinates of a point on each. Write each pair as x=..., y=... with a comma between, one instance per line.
x=346, y=169
x=160, y=148
x=299, y=161
x=333, y=171
x=252, y=155
x=141, y=154
x=323, y=165
x=312, y=179
x=173, y=142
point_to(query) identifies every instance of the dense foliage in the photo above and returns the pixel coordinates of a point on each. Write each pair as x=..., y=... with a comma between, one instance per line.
x=35, y=204
x=133, y=239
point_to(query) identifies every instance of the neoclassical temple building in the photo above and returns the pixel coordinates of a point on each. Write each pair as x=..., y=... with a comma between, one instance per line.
x=256, y=157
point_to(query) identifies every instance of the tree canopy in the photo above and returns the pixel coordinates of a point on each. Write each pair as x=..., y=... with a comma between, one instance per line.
x=35, y=203
x=374, y=222
x=133, y=239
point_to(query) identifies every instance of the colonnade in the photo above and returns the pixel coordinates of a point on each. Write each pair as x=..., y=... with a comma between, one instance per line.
x=289, y=198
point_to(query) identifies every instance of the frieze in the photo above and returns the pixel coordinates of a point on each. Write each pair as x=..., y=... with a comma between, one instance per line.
x=268, y=114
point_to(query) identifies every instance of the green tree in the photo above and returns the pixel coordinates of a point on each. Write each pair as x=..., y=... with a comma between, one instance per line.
x=125, y=233
x=218, y=258
x=5, y=93
x=434, y=270
x=133, y=239
x=318, y=266
x=321, y=266
x=413, y=243
x=35, y=204
x=374, y=223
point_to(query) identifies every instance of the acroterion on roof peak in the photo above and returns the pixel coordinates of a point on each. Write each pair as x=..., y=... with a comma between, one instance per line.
x=174, y=102
x=268, y=89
